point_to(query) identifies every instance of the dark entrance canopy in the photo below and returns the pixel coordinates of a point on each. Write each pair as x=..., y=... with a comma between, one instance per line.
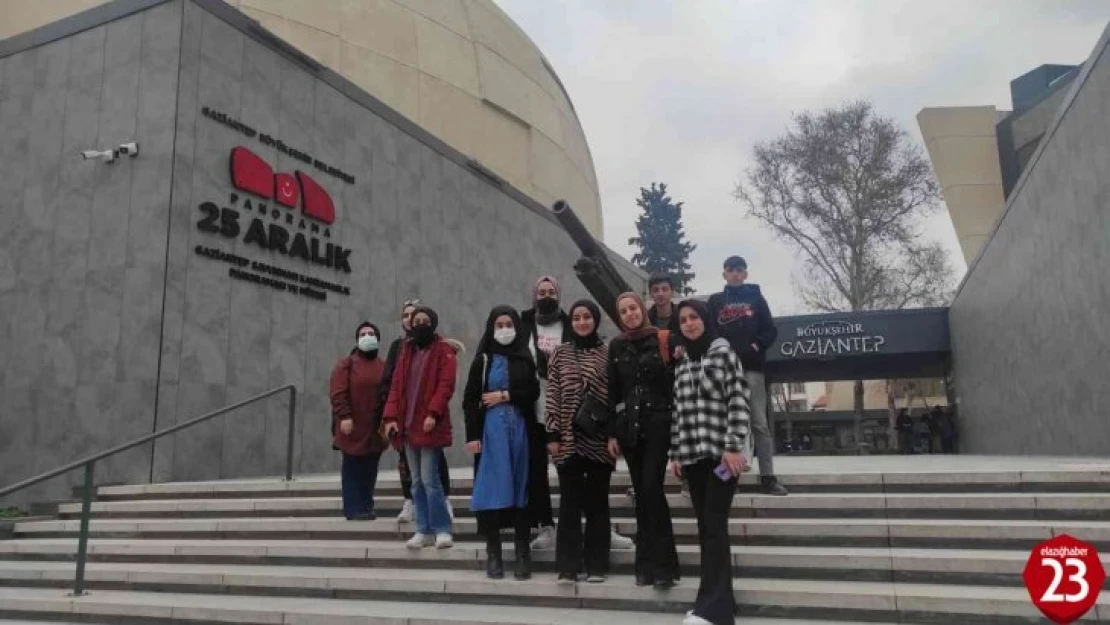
x=871, y=345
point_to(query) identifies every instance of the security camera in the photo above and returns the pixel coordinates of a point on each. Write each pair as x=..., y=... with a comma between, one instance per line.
x=130, y=149
x=108, y=156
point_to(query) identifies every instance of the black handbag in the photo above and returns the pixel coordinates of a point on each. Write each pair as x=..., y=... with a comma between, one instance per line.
x=592, y=416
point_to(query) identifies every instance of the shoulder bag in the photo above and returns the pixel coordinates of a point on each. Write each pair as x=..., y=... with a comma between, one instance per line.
x=593, y=414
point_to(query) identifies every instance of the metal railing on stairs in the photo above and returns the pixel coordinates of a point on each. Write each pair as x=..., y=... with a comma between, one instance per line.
x=89, y=462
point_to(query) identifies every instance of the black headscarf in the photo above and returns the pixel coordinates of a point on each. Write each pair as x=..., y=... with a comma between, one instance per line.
x=424, y=339
x=591, y=340
x=697, y=348
x=518, y=348
x=371, y=355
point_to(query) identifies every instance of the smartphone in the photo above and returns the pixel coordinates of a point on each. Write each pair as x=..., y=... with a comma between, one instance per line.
x=723, y=472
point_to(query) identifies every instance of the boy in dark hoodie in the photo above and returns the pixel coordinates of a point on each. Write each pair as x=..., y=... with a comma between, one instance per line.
x=744, y=319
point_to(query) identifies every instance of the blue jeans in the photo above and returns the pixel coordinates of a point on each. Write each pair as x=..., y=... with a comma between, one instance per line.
x=358, y=476
x=429, y=502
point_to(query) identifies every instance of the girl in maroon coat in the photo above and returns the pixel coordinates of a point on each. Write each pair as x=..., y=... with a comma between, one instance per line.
x=355, y=428
x=417, y=416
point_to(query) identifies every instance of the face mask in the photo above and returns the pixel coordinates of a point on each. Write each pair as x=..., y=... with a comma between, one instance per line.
x=368, y=342
x=547, y=305
x=505, y=336
x=422, y=335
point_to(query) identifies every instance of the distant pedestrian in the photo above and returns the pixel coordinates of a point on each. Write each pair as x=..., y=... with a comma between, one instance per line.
x=743, y=318
x=948, y=431
x=500, y=405
x=419, y=417
x=354, y=392
x=905, y=427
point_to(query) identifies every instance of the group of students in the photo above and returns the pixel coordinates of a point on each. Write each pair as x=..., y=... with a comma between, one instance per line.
x=671, y=393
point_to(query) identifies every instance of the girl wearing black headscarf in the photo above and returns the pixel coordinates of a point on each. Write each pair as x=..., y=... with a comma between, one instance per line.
x=354, y=393
x=708, y=435
x=499, y=404
x=576, y=370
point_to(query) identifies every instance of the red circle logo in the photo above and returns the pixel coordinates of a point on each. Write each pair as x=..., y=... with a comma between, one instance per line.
x=1064, y=577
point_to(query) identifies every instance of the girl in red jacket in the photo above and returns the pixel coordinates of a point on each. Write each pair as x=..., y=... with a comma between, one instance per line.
x=417, y=416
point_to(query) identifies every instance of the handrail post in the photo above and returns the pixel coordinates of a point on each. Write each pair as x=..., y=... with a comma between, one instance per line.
x=83, y=536
x=292, y=433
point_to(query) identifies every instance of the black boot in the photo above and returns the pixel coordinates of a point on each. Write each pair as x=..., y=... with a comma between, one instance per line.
x=771, y=486
x=495, y=564
x=523, y=559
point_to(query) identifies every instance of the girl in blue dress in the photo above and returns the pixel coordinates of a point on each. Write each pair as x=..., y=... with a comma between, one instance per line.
x=499, y=402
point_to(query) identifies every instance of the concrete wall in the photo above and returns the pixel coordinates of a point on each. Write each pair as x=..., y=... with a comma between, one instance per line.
x=462, y=69
x=1030, y=340
x=112, y=326
x=83, y=244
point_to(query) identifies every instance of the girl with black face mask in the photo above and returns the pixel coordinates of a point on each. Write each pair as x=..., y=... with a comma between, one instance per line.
x=406, y=514
x=354, y=392
x=500, y=404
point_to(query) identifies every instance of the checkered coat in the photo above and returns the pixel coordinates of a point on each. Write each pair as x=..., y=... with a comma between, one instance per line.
x=711, y=412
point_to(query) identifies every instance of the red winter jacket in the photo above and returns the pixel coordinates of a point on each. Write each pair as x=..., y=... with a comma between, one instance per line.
x=436, y=389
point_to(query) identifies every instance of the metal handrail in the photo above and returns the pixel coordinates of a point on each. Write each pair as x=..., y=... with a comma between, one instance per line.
x=88, y=463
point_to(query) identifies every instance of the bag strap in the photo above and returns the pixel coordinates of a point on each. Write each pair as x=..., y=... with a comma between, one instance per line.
x=665, y=346
x=485, y=371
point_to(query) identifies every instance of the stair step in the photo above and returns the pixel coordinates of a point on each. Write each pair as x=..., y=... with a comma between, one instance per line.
x=989, y=567
x=868, y=505
x=769, y=597
x=842, y=531
x=1076, y=476
x=161, y=607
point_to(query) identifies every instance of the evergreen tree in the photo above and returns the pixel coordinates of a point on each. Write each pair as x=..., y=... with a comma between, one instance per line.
x=661, y=238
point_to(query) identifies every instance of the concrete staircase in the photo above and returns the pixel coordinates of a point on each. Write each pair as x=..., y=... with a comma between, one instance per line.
x=880, y=540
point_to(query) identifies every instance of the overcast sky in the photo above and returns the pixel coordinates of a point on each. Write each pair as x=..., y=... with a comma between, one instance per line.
x=679, y=91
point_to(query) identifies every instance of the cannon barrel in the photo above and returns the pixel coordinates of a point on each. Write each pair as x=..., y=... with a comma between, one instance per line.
x=573, y=225
x=594, y=269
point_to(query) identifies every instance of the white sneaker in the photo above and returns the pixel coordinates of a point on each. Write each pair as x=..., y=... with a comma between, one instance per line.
x=620, y=543
x=694, y=619
x=546, y=539
x=419, y=541
x=406, y=512
x=444, y=541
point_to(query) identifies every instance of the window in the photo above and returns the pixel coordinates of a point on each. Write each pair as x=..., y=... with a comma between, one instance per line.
x=796, y=405
x=797, y=388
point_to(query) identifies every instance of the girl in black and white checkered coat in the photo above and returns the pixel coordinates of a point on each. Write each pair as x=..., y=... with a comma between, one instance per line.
x=708, y=434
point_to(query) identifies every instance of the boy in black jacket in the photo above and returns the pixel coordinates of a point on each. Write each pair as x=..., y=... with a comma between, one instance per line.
x=744, y=319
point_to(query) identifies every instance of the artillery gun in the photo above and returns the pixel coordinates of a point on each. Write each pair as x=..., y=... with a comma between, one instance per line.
x=594, y=269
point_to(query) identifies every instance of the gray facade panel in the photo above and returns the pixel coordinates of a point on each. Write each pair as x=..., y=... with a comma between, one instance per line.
x=1030, y=342
x=125, y=327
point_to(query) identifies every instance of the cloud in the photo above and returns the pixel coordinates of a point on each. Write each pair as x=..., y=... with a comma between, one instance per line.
x=680, y=92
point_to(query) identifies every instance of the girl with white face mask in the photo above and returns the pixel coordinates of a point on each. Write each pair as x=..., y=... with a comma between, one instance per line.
x=500, y=404
x=354, y=392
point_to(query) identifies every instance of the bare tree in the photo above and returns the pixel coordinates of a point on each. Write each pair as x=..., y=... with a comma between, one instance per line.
x=848, y=189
